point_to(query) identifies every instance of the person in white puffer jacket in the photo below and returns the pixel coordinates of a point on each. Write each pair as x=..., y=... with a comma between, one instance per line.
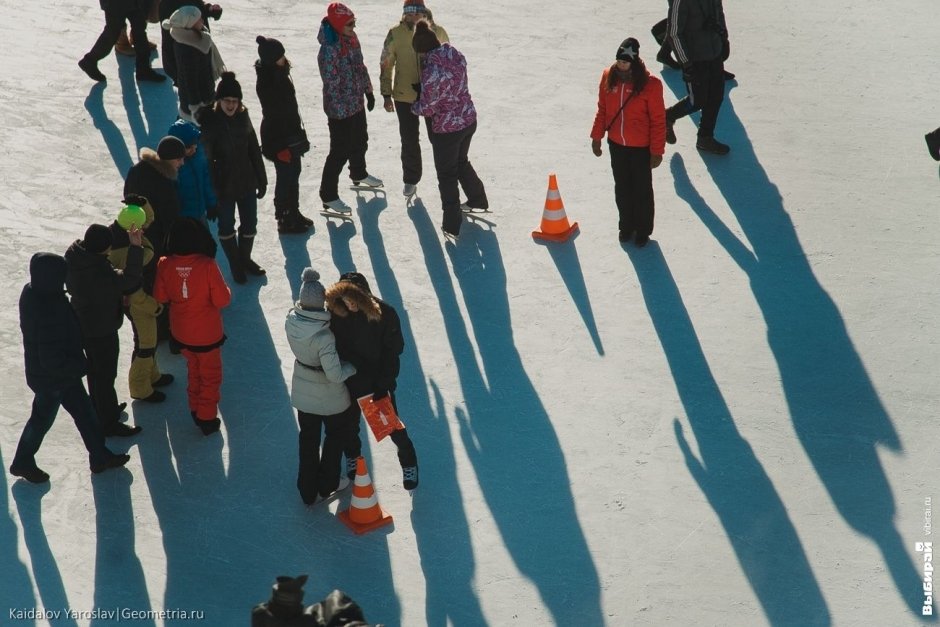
x=318, y=392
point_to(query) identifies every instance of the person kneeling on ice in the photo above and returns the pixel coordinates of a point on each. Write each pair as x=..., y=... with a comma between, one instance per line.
x=55, y=365
x=444, y=97
x=190, y=279
x=368, y=334
x=318, y=392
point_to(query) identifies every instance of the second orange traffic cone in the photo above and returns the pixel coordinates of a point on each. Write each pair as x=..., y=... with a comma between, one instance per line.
x=555, y=227
x=364, y=513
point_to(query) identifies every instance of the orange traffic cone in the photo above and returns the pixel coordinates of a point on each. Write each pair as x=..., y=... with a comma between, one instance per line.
x=555, y=227
x=364, y=513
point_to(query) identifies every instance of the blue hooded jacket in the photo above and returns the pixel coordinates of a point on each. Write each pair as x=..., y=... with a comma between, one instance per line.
x=194, y=183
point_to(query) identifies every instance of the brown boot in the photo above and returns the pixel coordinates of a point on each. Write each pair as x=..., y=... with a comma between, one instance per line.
x=123, y=44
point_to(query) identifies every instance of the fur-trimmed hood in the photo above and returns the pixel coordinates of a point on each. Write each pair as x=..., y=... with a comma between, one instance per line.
x=344, y=289
x=150, y=156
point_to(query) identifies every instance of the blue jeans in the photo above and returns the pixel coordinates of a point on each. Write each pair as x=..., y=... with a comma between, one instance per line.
x=46, y=403
x=247, y=216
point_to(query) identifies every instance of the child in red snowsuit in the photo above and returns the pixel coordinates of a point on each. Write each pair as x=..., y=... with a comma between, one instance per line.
x=190, y=279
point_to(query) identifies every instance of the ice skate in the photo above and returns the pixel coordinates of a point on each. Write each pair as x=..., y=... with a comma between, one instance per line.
x=409, y=190
x=368, y=182
x=468, y=209
x=337, y=209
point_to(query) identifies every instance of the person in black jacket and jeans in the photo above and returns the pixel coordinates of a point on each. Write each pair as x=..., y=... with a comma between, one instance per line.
x=98, y=291
x=368, y=335
x=238, y=175
x=699, y=39
x=283, y=138
x=55, y=365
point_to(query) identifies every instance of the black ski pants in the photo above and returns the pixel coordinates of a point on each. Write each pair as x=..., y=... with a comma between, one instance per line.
x=706, y=93
x=633, y=187
x=349, y=140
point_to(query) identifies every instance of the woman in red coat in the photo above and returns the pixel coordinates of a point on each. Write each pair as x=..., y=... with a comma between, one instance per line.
x=631, y=113
x=190, y=279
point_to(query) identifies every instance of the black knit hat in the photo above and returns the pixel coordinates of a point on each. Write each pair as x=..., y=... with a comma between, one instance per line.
x=189, y=236
x=269, y=50
x=629, y=50
x=228, y=87
x=171, y=148
x=356, y=279
x=97, y=238
x=424, y=39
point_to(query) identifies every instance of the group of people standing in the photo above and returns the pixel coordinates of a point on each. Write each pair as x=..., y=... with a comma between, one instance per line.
x=160, y=271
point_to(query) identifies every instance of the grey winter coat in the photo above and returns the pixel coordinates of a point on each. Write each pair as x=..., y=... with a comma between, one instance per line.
x=317, y=385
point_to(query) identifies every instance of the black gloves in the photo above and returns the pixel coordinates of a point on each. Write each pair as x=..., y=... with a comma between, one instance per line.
x=688, y=72
x=417, y=88
x=212, y=213
x=261, y=190
x=370, y=101
x=135, y=199
x=379, y=394
x=215, y=13
x=725, y=49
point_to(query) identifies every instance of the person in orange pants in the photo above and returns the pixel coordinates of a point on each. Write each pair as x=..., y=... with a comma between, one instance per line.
x=190, y=279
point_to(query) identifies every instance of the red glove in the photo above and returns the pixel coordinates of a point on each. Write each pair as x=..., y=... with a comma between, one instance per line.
x=284, y=155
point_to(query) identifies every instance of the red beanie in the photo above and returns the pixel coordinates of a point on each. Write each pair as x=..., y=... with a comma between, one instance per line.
x=338, y=15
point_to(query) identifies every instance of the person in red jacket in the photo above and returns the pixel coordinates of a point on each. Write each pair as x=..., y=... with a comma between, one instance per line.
x=190, y=279
x=630, y=111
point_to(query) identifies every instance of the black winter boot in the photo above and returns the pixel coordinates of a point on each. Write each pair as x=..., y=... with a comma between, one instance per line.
x=933, y=144
x=712, y=145
x=245, y=244
x=230, y=248
x=292, y=222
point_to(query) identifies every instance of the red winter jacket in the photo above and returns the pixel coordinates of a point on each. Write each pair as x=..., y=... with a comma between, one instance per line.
x=197, y=291
x=641, y=123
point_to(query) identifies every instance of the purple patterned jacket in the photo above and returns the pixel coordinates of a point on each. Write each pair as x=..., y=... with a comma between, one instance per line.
x=445, y=97
x=344, y=73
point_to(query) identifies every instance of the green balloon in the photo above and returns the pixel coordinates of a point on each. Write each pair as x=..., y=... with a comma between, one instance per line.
x=132, y=215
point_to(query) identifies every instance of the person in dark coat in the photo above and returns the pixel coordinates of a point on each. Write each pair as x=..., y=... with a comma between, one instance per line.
x=283, y=138
x=368, y=335
x=699, y=39
x=97, y=289
x=285, y=608
x=116, y=13
x=55, y=365
x=238, y=173
x=198, y=62
x=164, y=11
x=155, y=178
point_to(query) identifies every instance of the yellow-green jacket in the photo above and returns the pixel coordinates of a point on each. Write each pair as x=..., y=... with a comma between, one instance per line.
x=397, y=53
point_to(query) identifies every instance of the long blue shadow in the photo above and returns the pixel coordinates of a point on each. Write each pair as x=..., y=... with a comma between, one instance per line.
x=438, y=516
x=16, y=588
x=119, y=575
x=565, y=256
x=505, y=422
x=727, y=470
x=45, y=569
x=240, y=518
x=836, y=412
x=150, y=110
